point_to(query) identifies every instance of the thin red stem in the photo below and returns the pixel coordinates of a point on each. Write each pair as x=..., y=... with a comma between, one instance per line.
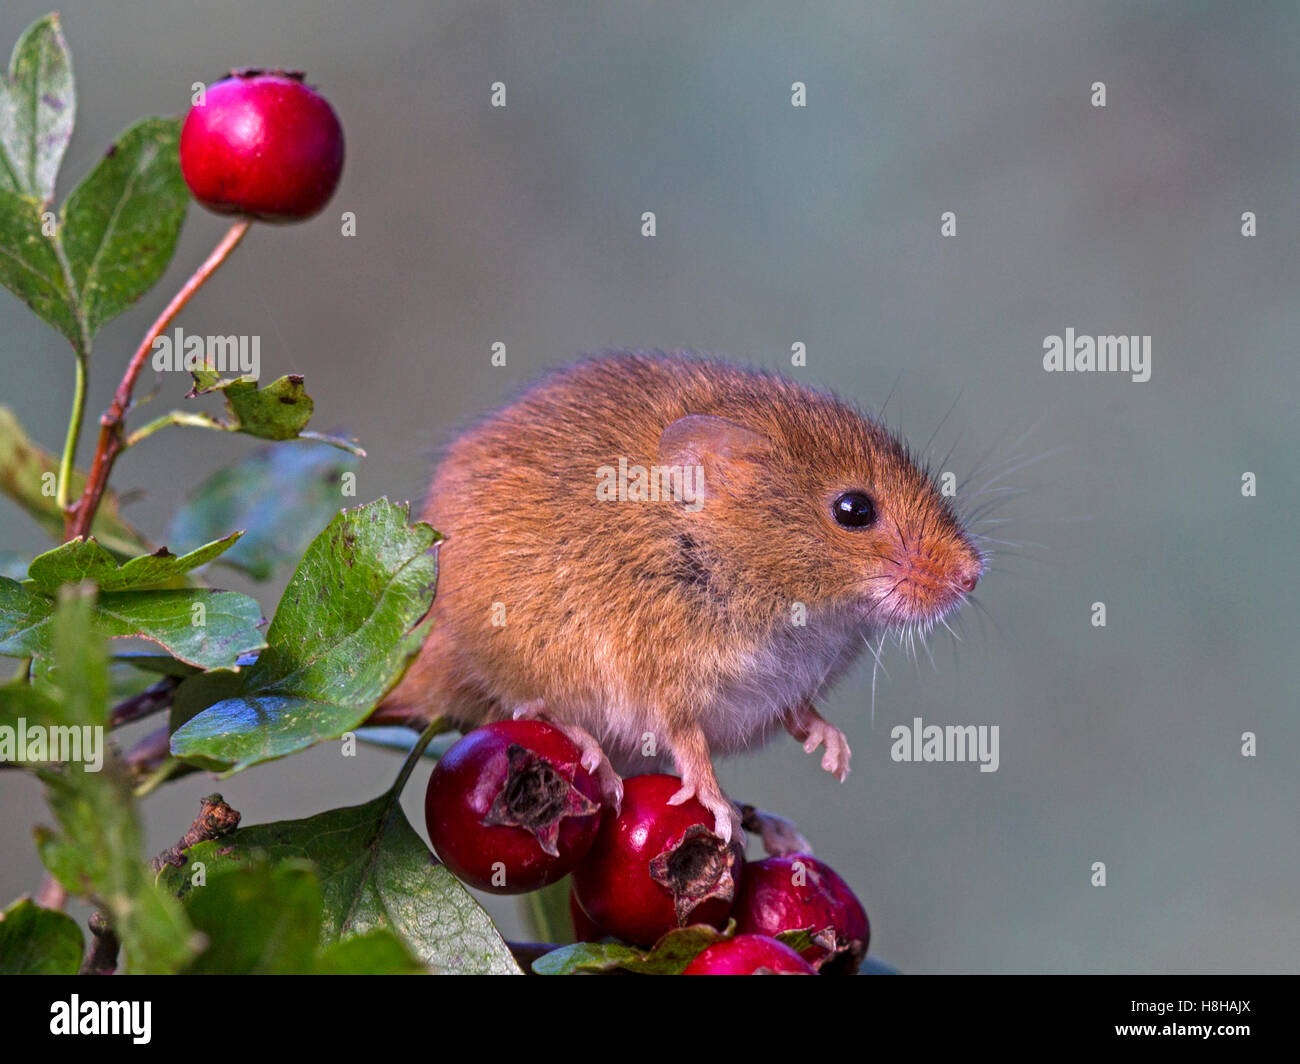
x=81, y=514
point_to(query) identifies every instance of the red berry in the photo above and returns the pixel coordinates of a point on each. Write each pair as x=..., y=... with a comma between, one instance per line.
x=264, y=144
x=510, y=807
x=657, y=866
x=799, y=892
x=749, y=955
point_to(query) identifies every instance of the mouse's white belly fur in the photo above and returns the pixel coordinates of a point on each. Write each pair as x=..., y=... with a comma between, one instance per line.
x=791, y=668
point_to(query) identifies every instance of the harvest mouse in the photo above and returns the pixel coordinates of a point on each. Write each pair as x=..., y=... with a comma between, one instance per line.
x=665, y=617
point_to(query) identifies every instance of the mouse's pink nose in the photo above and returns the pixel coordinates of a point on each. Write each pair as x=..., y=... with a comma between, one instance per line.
x=968, y=576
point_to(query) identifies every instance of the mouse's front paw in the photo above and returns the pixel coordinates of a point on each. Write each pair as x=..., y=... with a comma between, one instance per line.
x=837, y=756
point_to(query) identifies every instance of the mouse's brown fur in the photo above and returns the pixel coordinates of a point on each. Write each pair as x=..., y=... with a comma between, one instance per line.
x=674, y=628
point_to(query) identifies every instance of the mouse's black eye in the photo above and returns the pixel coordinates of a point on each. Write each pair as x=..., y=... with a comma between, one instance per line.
x=854, y=509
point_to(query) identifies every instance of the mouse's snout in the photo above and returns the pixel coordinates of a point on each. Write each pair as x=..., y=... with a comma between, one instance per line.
x=926, y=577
x=968, y=573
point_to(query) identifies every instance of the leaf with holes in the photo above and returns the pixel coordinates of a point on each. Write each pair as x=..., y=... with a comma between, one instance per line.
x=280, y=411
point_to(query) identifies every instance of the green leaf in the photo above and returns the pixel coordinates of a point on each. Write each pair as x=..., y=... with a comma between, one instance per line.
x=669, y=956
x=229, y=628
x=259, y=919
x=38, y=107
x=798, y=940
x=20, y=699
x=120, y=225
x=30, y=266
x=280, y=411
x=277, y=412
x=378, y=952
x=25, y=472
x=96, y=854
x=280, y=496
x=375, y=872
x=85, y=560
x=36, y=941
x=350, y=620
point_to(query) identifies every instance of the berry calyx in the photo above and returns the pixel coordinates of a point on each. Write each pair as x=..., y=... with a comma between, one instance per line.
x=749, y=955
x=510, y=808
x=797, y=892
x=262, y=144
x=655, y=866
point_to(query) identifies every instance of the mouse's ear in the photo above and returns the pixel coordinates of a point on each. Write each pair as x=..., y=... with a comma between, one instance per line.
x=722, y=449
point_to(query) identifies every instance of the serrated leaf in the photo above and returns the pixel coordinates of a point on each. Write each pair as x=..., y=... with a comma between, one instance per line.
x=25, y=470
x=120, y=225
x=81, y=560
x=281, y=497
x=30, y=267
x=37, y=111
x=167, y=618
x=346, y=628
x=669, y=956
x=96, y=853
x=375, y=872
x=36, y=941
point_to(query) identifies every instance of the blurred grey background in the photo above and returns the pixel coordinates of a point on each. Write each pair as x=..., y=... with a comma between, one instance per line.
x=821, y=225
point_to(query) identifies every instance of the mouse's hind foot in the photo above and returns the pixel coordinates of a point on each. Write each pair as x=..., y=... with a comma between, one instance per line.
x=778, y=835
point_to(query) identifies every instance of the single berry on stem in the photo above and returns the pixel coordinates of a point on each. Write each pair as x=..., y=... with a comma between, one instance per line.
x=262, y=144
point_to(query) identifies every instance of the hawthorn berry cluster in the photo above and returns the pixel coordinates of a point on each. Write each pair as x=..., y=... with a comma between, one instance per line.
x=510, y=808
